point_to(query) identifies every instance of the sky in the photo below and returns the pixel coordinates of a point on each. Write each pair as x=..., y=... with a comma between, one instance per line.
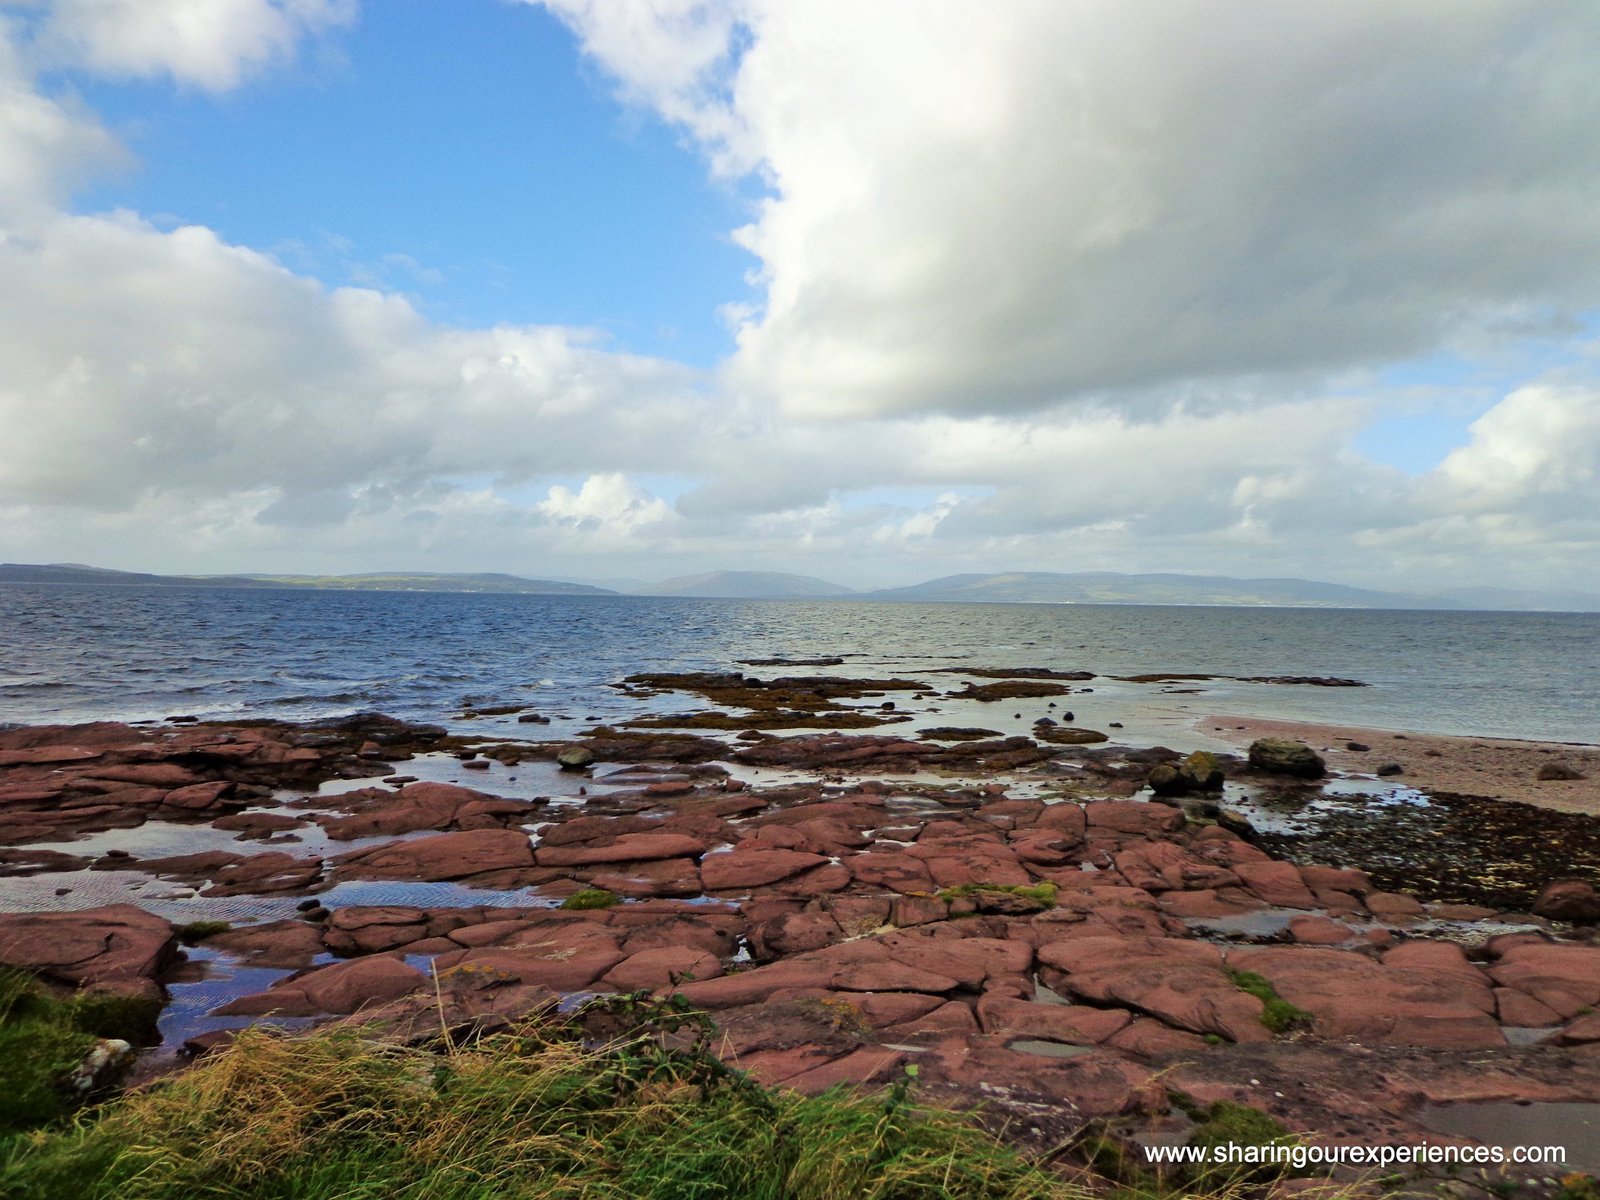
x=874, y=292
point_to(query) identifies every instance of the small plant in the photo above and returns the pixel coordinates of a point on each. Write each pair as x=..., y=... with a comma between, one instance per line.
x=131, y=1019
x=839, y=1014
x=1228, y=1124
x=591, y=898
x=196, y=932
x=1277, y=1014
x=1044, y=893
x=1578, y=1186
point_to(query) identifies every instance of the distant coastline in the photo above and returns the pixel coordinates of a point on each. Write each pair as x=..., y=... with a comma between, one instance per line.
x=1016, y=587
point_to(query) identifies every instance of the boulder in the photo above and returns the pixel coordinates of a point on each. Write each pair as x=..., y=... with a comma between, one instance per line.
x=1284, y=756
x=1573, y=900
x=574, y=758
x=1552, y=771
x=114, y=944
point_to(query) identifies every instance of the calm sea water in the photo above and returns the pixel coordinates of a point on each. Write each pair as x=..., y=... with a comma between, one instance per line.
x=71, y=653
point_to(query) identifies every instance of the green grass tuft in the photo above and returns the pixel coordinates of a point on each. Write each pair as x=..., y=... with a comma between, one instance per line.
x=1277, y=1014
x=1045, y=892
x=591, y=898
x=336, y=1116
x=198, y=931
x=1228, y=1124
x=42, y=1039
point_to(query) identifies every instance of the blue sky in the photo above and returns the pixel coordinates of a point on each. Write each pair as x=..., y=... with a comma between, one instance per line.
x=460, y=151
x=653, y=287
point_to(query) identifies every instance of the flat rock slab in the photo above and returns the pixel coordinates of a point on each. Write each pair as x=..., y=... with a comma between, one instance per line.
x=116, y=943
x=445, y=856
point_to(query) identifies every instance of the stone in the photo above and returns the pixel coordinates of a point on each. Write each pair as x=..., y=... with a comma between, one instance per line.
x=340, y=988
x=1319, y=931
x=1573, y=900
x=1180, y=982
x=1077, y=1024
x=1284, y=756
x=440, y=857
x=749, y=866
x=1552, y=771
x=113, y=944
x=575, y=758
x=658, y=877
x=1393, y=904
x=663, y=967
x=636, y=847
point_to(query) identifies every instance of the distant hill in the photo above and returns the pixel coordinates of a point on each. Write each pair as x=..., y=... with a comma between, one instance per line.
x=749, y=585
x=397, y=582
x=427, y=581
x=1111, y=587
x=101, y=577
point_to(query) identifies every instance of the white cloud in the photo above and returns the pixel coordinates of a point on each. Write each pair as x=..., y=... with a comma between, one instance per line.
x=46, y=146
x=980, y=208
x=211, y=44
x=608, y=508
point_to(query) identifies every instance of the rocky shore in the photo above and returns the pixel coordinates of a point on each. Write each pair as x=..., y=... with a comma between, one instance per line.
x=1072, y=935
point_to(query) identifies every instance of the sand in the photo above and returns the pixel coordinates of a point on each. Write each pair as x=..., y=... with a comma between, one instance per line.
x=1497, y=768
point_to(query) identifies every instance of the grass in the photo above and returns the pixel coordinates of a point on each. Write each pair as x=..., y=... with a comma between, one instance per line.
x=1044, y=893
x=196, y=932
x=1277, y=1014
x=42, y=1040
x=591, y=898
x=337, y=1116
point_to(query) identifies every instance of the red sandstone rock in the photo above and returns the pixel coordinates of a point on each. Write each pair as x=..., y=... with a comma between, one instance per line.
x=1180, y=982
x=794, y=933
x=1565, y=978
x=891, y=870
x=1077, y=1024
x=1319, y=931
x=636, y=847
x=341, y=988
x=1393, y=904
x=749, y=866
x=663, y=967
x=664, y=877
x=113, y=944
x=441, y=857
x=1277, y=883
x=1353, y=997
x=1133, y=816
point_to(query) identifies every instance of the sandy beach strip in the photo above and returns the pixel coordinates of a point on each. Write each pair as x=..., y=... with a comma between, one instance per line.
x=1499, y=768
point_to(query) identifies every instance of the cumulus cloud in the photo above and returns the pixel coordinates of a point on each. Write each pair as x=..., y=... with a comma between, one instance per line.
x=981, y=209
x=211, y=44
x=1070, y=302
x=140, y=360
x=46, y=146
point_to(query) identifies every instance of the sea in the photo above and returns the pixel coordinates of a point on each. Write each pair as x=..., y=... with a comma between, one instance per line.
x=71, y=653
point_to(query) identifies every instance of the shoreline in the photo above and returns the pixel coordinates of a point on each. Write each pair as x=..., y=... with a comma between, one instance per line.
x=1012, y=918
x=1489, y=768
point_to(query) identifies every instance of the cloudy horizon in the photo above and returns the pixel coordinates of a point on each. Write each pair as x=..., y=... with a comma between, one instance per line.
x=645, y=288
